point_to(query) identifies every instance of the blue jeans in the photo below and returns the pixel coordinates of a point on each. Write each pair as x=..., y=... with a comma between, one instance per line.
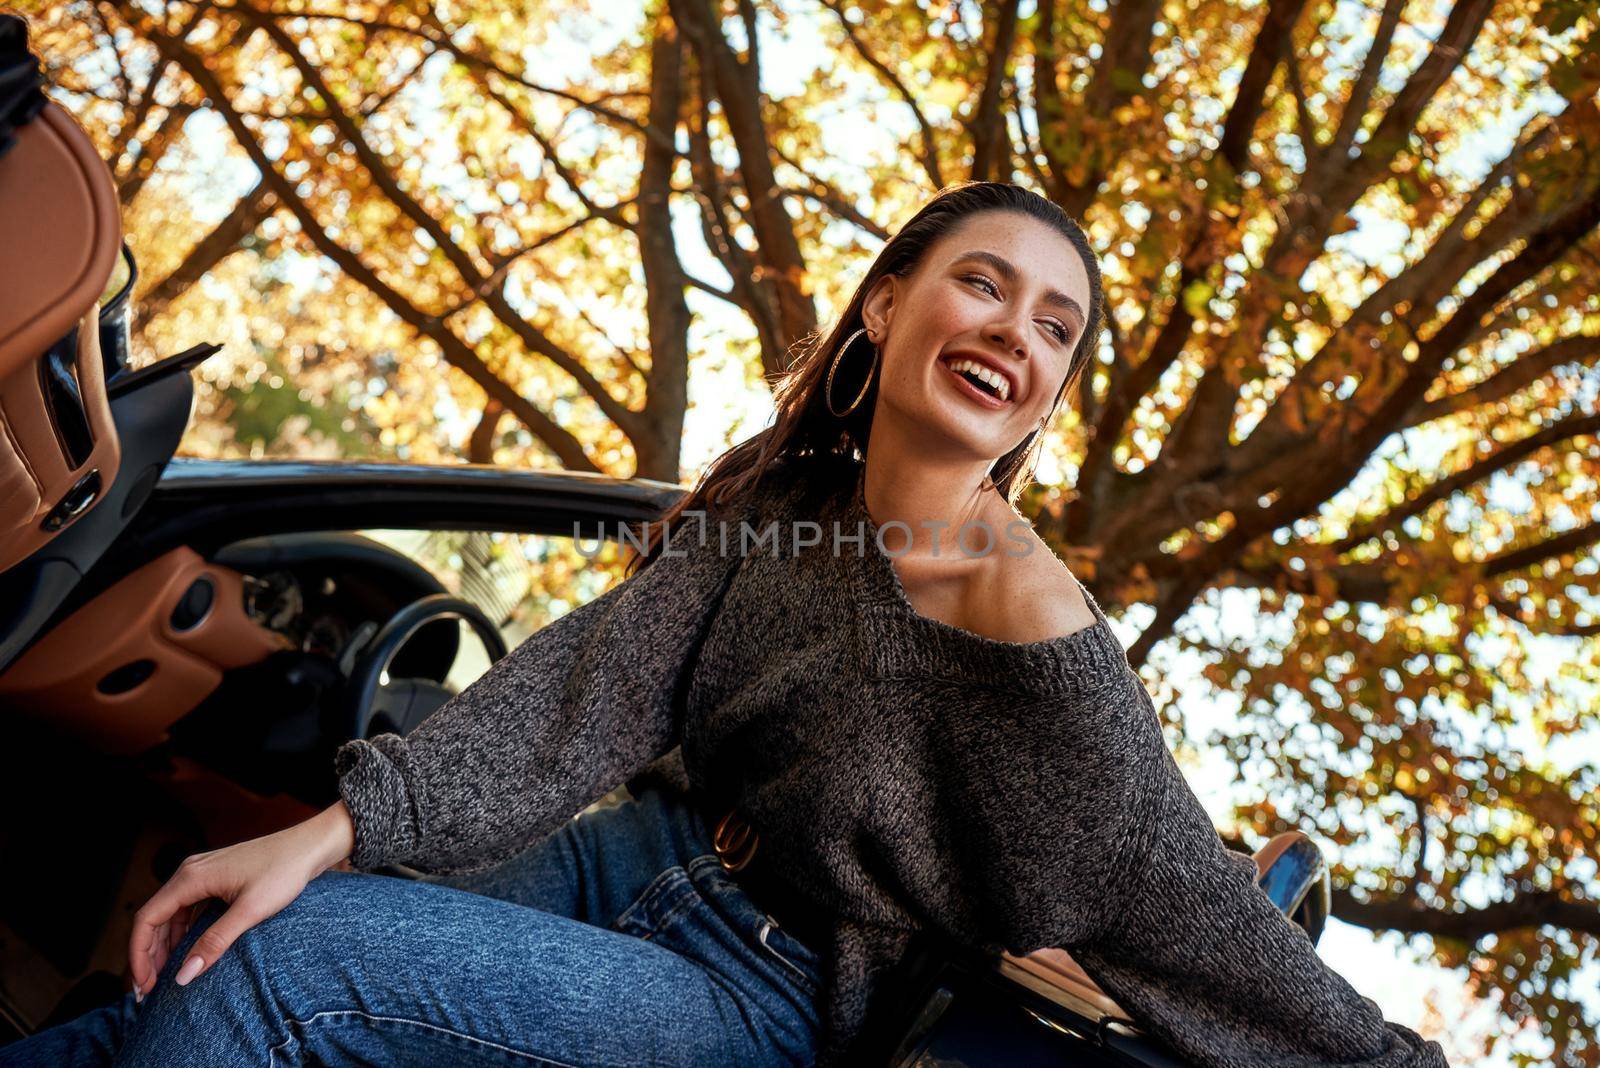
x=619, y=940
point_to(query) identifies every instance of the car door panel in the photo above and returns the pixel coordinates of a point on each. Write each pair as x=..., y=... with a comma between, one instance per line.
x=123, y=668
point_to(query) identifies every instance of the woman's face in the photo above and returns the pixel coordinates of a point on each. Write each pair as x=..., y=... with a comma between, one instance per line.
x=1002, y=290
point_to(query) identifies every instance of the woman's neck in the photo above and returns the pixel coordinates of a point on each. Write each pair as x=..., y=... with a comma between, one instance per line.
x=932, y=495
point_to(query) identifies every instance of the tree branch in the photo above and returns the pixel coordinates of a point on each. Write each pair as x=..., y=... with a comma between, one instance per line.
x=1470, y=475
x=384, y=180
x=1358, y=346
x=210, y=250
x=929, y=156
x=1341, y=455
x=1370, y=583
x=667, y=313
x=1301, y=236
x=1534, y=908
x=1028, y=140
x=720, y=239
x=566, y=447
x=124, y=83
x=1349, y=179
x=371, y=107
x=781, y=262
x=1341, y=447
x=1569, y=541
x=151, y=149
x=826, y=195
x=1124, y=58
x=1542, y=624
x=1273, y=42
x=1051, y=109
x=1355, y=108
x=1305, y=125
x=480, y=445
x=443, y=42
x=612, y=214
x=1521, y=373
x=990, y=141
x=706, y=287
x=1201, y=251
x=502, y=266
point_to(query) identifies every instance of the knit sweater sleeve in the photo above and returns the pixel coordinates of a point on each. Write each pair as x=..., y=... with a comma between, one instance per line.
x=1201, y=956
x=574, y=710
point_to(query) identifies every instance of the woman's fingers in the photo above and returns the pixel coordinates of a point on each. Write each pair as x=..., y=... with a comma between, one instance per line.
x=174, y=934
x=255, y=879
x=159, y=948
x=180, y=924
x=167, y=941
x=215, y=940
x=147, y=945
x=145, y=941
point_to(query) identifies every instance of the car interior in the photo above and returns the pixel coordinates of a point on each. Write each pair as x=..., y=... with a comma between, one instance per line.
x=183, y=644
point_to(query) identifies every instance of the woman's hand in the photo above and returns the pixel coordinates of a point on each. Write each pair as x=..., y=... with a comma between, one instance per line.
x=255, y=878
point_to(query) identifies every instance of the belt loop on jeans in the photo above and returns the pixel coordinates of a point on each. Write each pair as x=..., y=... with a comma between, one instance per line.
x=735, y=840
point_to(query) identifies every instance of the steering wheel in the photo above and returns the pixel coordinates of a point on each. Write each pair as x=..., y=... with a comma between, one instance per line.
x=378, y=703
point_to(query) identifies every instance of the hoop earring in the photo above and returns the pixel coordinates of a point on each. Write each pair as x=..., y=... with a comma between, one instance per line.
x=827, y=391
x=1026, y=444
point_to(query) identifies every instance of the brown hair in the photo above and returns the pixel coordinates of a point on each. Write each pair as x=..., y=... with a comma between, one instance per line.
x=805, y=427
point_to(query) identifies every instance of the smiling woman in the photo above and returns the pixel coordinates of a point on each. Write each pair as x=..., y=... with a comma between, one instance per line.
x=1336, y=441
x=871, y=755
x=978, y=318
x=1037, y=326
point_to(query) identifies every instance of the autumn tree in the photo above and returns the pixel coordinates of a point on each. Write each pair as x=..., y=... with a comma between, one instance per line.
x=1345, y=409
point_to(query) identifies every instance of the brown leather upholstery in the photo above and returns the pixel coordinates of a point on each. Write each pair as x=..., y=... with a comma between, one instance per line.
x=59, y=215
x=1053, y=973
x=61, y=679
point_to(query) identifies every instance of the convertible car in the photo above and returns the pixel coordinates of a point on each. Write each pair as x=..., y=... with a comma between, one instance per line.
x=184, y=643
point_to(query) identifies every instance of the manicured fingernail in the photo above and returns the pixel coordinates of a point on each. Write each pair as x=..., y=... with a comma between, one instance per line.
x=190, y=969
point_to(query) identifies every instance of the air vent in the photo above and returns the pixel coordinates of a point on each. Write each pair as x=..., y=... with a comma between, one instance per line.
x=127, y=677
x=195, y=605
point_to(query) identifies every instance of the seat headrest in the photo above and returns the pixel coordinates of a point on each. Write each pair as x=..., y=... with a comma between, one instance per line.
x=58, y=210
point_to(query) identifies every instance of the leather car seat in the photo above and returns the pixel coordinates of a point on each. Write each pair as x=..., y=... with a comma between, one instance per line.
x=62, y=234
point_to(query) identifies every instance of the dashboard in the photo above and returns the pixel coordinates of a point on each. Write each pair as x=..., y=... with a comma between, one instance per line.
x=127, y=666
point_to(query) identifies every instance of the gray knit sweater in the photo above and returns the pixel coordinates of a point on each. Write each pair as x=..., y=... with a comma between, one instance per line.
x=903, y=774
